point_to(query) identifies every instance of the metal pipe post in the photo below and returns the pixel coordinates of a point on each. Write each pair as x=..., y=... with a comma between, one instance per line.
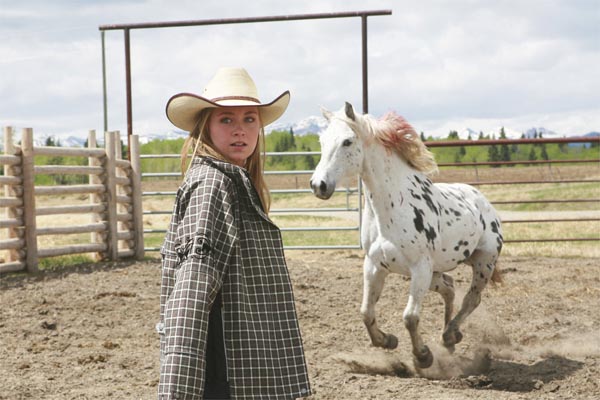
x=128, y=90
x=104, y=94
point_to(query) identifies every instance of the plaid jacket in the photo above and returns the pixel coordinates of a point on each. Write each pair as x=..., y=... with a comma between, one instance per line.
x=220, y=238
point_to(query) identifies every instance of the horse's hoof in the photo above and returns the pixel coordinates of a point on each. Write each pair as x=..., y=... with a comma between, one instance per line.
x=391, y=342
x=425, y=358
x=452, y=337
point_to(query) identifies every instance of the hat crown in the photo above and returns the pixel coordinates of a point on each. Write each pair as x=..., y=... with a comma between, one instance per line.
x=231, y=84
x=230, y=87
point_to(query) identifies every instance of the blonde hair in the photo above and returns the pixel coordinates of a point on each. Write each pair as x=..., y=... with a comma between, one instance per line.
x=199, y=140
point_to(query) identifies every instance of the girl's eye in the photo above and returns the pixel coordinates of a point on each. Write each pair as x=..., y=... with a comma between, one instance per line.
x=250, y=119
x=346, y=142
x=225, y=120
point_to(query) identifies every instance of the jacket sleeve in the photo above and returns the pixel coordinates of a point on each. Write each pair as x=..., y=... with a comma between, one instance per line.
x=205, y=240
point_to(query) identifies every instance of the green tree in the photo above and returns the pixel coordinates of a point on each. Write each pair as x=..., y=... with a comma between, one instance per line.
x=562, y=147
x=50, y=141
x=457, y=157
x=453, y=135
x=504, y=150
x=493, y=155
x=543, y=152
x=532, y=156
x=309, y=161
x=292, y=140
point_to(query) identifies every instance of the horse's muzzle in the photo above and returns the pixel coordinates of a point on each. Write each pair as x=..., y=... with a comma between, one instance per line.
x=321, y=189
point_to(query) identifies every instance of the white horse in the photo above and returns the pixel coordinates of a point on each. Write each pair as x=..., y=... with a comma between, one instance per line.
x=410, y=225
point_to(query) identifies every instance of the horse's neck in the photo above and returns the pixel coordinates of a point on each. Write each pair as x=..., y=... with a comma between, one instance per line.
x=383, y=171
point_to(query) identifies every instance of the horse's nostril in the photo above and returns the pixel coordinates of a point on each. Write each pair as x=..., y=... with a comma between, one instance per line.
x=323, y=187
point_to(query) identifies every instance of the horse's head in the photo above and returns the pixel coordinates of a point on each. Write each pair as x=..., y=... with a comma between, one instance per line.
x=341, y=151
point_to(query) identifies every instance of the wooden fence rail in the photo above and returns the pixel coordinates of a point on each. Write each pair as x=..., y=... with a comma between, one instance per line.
x=114, y=205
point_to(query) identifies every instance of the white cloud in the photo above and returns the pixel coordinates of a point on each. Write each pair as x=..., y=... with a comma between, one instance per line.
x=445, y=65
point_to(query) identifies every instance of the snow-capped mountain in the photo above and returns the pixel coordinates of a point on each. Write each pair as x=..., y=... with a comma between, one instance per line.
x=510, y=133
x=473, y=134
x=312, y=124
x=62, y=140
x=145, y=138
x=468, y=133
x=537, y=132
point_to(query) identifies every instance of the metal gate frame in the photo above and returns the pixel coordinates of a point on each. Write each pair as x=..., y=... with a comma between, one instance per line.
x=126, y=28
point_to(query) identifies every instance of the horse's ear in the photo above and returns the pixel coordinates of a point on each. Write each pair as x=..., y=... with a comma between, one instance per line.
x=326, y=113
x=350, y=112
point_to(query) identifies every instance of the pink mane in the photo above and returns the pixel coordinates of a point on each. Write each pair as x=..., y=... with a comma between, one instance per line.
x=396, y=134
x=393, y=131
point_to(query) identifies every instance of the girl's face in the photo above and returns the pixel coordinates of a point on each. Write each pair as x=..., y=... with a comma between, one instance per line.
x=234, y=132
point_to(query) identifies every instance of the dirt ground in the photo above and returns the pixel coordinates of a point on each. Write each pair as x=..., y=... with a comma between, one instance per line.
x=87, y=332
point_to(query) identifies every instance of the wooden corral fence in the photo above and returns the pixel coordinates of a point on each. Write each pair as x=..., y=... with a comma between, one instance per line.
x=112, y=199
x=114, y=205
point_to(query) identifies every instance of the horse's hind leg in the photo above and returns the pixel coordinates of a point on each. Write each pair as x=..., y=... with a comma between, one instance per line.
x=374, y=278
x=483, y=264
x=444, y=285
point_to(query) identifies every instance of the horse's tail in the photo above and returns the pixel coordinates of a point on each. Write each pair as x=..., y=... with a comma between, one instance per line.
x=497, y=275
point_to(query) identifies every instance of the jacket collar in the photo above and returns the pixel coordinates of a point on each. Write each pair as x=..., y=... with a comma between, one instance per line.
x=237, y=174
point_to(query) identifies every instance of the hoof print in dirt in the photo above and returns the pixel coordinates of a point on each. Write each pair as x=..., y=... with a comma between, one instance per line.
x=51, y=326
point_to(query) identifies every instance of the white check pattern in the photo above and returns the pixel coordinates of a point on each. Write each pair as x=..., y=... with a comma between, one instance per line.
x=220, y=238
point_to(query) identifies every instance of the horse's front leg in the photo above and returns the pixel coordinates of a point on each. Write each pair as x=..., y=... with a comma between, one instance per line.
x=420, y=282
x=374, y=278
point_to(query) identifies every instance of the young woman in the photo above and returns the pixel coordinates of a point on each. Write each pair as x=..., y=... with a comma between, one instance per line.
x=228, y=323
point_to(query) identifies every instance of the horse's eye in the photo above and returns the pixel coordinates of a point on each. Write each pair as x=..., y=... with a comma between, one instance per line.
x=347, y=143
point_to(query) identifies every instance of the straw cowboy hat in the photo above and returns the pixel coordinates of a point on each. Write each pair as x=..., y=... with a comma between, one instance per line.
x=230, y=87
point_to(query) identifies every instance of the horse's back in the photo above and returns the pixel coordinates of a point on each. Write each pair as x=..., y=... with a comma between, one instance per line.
x=469, y=222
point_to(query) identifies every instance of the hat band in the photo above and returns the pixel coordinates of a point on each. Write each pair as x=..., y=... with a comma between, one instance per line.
x=252, y=99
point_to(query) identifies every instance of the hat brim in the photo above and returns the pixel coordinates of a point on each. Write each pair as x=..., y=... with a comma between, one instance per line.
x=183, y=108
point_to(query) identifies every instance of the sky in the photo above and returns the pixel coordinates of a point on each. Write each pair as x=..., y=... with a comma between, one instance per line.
x=443, y=65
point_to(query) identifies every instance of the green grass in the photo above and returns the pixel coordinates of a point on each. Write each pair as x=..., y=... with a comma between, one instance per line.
x=316, y=238
x=540, y=192
x=153, y=239
x=60, y=262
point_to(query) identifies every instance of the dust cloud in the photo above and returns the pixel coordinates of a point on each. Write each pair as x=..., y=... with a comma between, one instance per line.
x=378, y=362
x=445, y=364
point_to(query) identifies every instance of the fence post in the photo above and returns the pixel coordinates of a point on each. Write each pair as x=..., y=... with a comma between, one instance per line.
x=95, y=198
x=121, y=225
x=9, y=191
x=29, y=209
x=111, y=196
x=136, y=195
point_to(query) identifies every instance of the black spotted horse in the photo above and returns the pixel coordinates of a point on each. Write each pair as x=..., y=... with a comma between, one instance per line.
x=410, y=225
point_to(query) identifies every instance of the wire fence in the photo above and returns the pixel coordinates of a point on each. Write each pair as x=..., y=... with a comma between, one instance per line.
x=351, y=209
